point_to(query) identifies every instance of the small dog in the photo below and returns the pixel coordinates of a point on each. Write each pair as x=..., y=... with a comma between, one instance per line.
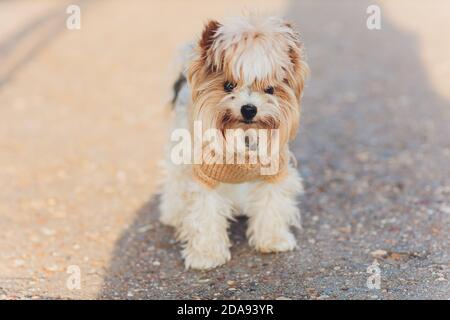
x=244, y=73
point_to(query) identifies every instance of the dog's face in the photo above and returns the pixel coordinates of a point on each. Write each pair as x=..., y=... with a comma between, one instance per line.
x=248, y=73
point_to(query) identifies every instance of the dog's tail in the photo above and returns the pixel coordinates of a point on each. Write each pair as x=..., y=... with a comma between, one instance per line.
x=185, y=55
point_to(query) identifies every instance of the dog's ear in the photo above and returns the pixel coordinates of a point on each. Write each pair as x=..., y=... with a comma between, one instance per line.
x=299, y=69
x=208, y=37
x=200, y=67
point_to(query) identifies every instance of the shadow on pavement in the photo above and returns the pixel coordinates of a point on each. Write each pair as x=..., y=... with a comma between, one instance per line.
x=374, y=152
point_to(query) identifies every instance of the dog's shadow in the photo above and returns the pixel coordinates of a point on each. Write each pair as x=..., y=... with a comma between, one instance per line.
x=147, y=263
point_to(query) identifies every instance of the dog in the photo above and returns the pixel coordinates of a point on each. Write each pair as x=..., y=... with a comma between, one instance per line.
x=243, y=73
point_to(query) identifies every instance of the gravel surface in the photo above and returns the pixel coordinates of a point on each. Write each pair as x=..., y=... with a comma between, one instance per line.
x=85, y=129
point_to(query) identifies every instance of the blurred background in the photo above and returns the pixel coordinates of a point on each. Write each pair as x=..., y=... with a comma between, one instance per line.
x=83, y=125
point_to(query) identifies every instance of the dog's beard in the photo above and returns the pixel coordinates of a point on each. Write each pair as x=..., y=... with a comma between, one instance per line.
x=256, y=136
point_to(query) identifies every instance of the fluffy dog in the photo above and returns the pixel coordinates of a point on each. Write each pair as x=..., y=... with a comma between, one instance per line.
x=244, y=73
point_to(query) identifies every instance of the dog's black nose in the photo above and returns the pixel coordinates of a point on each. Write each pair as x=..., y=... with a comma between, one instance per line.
x=248, y=111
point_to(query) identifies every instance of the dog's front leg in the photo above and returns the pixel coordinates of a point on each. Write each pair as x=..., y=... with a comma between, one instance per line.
x=204, y=229
x=272, y=210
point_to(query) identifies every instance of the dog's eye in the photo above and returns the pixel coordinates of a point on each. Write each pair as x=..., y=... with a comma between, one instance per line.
x=229, y=86
x=269, y=90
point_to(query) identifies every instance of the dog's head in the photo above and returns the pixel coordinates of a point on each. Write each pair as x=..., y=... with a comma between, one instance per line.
x=248, y=73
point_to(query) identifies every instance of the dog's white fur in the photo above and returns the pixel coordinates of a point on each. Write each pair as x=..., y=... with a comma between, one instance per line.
x=253, y=52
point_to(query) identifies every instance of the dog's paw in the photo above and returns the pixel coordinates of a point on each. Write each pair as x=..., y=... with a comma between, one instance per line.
x=194, y=259
x=274, y=243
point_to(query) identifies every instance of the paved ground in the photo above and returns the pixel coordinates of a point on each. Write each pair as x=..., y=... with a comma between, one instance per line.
x=83, y=128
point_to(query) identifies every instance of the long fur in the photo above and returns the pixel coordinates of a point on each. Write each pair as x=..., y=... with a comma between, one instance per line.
x=254, y=54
